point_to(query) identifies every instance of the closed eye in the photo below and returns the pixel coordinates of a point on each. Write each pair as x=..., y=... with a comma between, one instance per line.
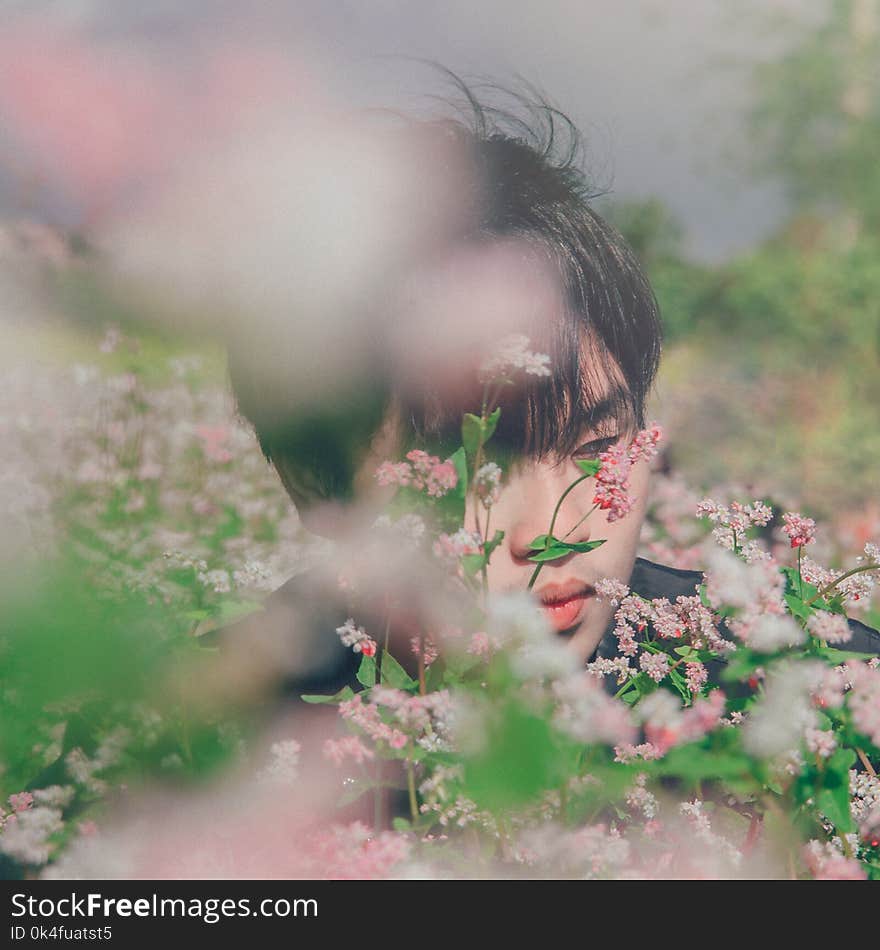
x=594, y=448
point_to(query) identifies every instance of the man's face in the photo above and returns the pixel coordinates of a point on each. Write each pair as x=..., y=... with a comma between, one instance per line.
x=525, y=509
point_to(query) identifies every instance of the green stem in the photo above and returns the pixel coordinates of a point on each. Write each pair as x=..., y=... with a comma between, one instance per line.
x=484, y=569
x=829, y=587
x=587, y=515
x=384, y=649
x=562, y=498
x=411, y=786
x=478, y=459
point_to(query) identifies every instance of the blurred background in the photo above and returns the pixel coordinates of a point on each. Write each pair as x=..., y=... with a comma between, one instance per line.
x=152, y=168
x=736, y=145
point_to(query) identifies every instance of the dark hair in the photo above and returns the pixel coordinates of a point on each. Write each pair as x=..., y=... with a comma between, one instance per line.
x=529, y=185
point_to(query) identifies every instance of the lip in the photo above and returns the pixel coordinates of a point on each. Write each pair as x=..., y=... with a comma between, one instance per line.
x=564, y=604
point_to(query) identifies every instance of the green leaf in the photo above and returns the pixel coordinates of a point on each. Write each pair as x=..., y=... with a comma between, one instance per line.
x=833, y=800
x=520, y=758
x=345, y=693
x=471, y=432
x=834, y=804
x=491, y=424
x=475, y=430
x=741, y=665
x=497, y=538
x=842, y=760
x=393, y=674
x=435, y=675
x=459, y=460
x=558, y=549
x=366, y=674
x=798, y=587
x=797, y=607
x=551, y=554
x=472, y=564
x=841, y=656
x=588, y=466
x=704, y=596
x=582, y=547
x=693, y=763
x=401, y=824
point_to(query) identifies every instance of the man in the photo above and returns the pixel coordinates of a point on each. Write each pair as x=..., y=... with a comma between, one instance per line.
x=603, y=339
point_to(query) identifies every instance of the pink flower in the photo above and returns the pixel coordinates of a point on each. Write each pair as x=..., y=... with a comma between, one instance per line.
x=441, y=479
x=482, y=645
x=696, y=676
x=820, y=742
x=421, y=471
x=394, y=473
x=864, y=699
x=627, y=752
x=356, y=637
x=612, y=483
x=800, y=530
x=451, y=547
x=21, y=801
x=644, y=445
x=656, y=665
x=353, y=853
x=612, y=479
x=214, y=440
x=488, y=484
x=612, y=590
x=337, y=750
x=704, y=716
x=832, y=628
x=426, y=646
x=827, y=864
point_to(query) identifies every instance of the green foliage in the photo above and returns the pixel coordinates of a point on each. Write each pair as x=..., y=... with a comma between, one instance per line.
x=548, y=548
x=521, y=756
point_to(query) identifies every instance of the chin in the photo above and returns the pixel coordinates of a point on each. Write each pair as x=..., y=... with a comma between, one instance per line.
x=584, y=639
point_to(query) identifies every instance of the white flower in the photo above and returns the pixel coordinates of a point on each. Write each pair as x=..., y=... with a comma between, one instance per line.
x=785, y=711
x=771, y=632
x=512, y=354
x=284, y=766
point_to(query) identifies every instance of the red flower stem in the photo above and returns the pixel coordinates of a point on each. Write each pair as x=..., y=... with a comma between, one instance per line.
x=867, y=763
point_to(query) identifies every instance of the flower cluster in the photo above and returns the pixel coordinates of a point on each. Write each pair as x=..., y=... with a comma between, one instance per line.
x=421, y=472
x=732, y=523
x=801, y=531
x=512, y=355
x=450, y=548
x=612, y=479
x=357, y=638
x=487, y=482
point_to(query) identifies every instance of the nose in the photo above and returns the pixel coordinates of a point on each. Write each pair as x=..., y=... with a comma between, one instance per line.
x=535, y=512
